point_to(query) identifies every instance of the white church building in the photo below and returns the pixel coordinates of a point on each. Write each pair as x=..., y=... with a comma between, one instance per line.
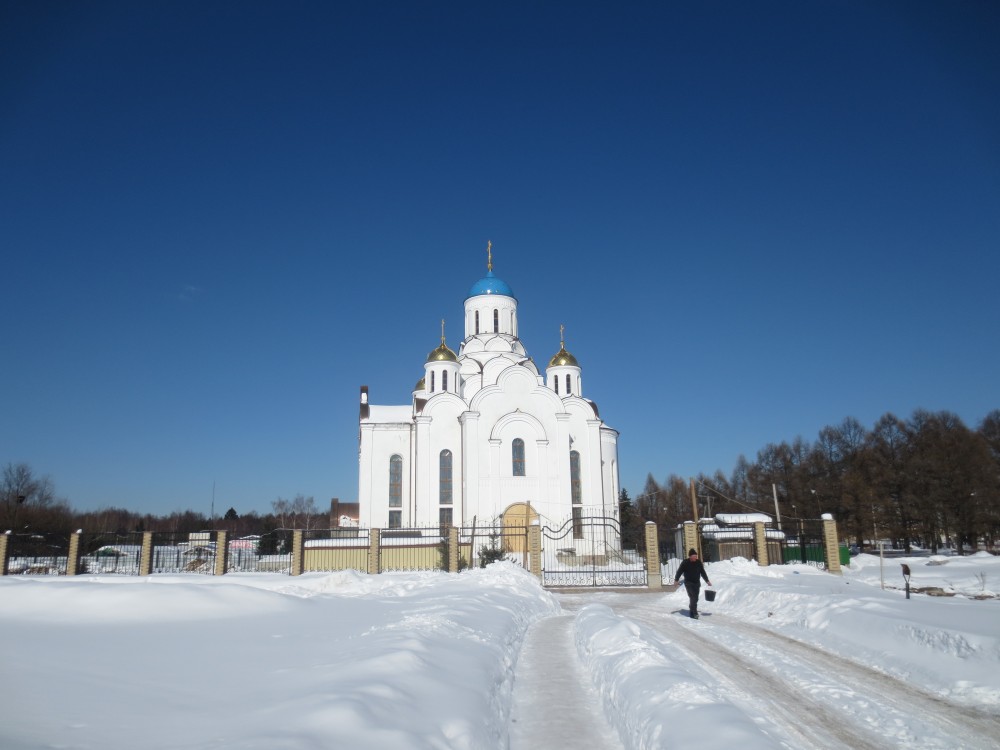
x=487, y=435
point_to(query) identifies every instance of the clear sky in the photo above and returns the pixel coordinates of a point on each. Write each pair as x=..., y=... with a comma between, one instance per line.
x=218, y=220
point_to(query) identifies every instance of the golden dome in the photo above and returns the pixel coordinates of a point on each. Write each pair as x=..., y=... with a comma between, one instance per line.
x=420, y=386
x=563, y=357
x=442, y=354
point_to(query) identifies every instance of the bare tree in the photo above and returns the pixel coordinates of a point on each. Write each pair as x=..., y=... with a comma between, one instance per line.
x=22, y=492
x=300, y=512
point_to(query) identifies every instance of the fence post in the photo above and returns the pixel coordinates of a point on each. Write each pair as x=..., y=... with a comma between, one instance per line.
x=73, y=556
x=221, y=553
x=654, y=578
x=453, y=549
x=535, y=549
x=146, y=555
x=374, y=548
x=692, y=540
x=298, y=552
x=4, y=553
x=831, y=545
x=760, y=543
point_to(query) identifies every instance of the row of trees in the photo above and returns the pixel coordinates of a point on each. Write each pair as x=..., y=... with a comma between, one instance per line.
x=28, y=504
x=929, y=480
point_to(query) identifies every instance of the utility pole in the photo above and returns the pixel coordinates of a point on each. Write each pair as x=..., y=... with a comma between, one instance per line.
x=774, y=491
x=694, y=514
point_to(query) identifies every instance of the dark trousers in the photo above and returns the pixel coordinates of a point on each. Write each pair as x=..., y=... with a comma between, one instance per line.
x=693, y=589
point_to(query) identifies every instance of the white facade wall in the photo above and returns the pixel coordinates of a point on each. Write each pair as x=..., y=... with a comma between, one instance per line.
x=495, y=395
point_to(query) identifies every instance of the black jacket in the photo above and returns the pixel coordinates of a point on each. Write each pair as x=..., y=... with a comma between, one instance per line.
x=691, y=571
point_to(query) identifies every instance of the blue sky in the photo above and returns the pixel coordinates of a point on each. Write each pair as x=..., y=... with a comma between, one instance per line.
x=218, y=220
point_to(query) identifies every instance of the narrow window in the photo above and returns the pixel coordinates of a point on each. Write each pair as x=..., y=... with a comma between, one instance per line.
x=444, y=380
x=496, y=321
x=556, y=379
x=569, y=391
x=517, y=454
x=395, y=519
x=432, y=381
x=445, y=518
x=575, y=489
x=477, y=321
x=396, y=482
x=444, y=477
x=578, y=522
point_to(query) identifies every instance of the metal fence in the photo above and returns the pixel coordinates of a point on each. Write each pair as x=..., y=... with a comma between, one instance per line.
x=184, y=553
x=110, y=553
x=37, y=554
x=329, y=550
x=270, y=552
x=586, y=551
x=481, y=545
x=806, y=544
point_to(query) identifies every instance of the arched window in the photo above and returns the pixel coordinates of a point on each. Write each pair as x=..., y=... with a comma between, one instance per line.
x=477, y=321
x=444, y=380
x=444, y=477
x=496, y=321
x=517, y=457
x=569, y=390
x=432, y=381
x=575, y=489
x=396, y=482
x=555, y=380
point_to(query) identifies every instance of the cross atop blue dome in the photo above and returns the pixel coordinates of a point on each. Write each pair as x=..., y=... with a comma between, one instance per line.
x=490, y=284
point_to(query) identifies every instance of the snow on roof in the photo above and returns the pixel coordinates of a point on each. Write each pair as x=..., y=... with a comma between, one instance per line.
x=390, y=414
x=733, y=519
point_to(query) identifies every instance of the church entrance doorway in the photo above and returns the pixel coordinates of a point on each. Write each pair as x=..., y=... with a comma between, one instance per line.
x=516, y=520
x=587, y=551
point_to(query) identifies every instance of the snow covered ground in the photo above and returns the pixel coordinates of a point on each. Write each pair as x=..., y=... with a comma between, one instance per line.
x=787, y=656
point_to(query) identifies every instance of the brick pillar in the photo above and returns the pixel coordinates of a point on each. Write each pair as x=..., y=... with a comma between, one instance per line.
x=374, y=550
x=298, y=552
x=535, y=549
x=691, y=540
x=760, y=543
x=4, y=553
x=453, y=550
x=221, y=553
x=653, y=577
x=73, y=558
x=146, y=555
x=831, y=544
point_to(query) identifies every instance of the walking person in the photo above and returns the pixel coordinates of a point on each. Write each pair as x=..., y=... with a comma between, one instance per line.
x=693, y=571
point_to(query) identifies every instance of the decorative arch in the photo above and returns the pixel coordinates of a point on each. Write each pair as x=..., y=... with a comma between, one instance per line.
x=532, y=427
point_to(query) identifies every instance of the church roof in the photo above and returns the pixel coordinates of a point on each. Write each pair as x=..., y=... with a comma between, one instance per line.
x=562, y=358
x=442, y=354
x=491, y=284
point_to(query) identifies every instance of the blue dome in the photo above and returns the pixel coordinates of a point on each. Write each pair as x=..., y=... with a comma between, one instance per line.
x=490, y=284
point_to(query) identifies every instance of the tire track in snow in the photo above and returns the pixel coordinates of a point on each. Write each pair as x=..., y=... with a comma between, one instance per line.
x=822, y=698
x=761, y=693
x=956, y=720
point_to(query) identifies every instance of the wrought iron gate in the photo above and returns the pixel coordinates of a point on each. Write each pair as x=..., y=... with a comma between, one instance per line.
x=588, y=552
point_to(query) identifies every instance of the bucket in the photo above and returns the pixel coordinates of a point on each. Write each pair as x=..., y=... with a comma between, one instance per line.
x=709, y=595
